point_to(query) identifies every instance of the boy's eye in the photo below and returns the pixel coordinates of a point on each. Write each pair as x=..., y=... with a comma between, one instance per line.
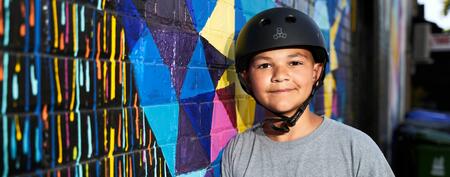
x=295, y=63
x=264, y=65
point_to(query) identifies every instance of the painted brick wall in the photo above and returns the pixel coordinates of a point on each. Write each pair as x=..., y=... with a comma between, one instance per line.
x=136, y=88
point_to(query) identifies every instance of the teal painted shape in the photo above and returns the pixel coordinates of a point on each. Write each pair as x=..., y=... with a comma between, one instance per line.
x=153, y=79
x=163, y=120
x=199, y=173
x=197, y=80
x=156, y=94
x=250, y=8
x=321, y=15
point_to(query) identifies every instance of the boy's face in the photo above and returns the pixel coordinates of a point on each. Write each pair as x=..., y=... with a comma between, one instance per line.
x=282, y=79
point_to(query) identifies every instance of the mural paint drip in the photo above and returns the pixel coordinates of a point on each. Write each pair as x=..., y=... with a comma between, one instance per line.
x=129, y=88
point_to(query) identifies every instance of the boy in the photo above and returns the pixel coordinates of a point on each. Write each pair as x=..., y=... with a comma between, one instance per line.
x=280, y=62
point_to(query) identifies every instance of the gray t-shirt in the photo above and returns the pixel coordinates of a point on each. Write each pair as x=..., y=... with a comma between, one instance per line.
x=333, y=149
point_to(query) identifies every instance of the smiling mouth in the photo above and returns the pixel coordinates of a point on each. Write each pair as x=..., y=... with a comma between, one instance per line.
x=280, y=90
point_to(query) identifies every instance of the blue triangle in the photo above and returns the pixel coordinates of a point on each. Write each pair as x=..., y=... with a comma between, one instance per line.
x=131, y=25
x=200, y=116
x=153, y=81
x=197, y=80
x=239, y=19
x=158, y=91
x=200, y=11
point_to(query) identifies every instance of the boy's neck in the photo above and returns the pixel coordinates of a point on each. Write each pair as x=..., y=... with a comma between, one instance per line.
x=305, y=125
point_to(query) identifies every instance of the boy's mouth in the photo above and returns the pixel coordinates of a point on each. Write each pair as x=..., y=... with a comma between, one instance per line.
x=280, y=90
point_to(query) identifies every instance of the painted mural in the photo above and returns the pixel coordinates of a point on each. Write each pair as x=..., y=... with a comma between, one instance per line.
x=397, y=35
x=135, y=88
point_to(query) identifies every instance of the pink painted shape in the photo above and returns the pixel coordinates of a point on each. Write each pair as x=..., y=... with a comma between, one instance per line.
x=335, y=105
x=222, y=129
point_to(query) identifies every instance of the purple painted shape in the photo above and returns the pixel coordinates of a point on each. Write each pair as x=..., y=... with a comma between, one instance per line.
x=176, y=48
x=200, y=116
x=210, y=173
x=190, y=154
x=226, y=96
x=215, y=59
x=174, y=34
x=163, y=12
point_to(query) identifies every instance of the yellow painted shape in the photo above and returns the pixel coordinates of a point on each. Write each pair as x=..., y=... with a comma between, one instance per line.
x=103, y=4
x=111, y=167
x=18, y=131
x=111, y=142
x=160, y=168
x=343, y=4
x=140, y=135
x=105, y=131
x=105, y=68
x=111, y=151
x=140, y=162
x=55, y=24
x=219, y=29
x=245, y=109
x=74, y=27
x=124, y=75
x=126, y=129
x=104, y=30
x=17, y=68
x=113, y=55
x=122, y=43
x=245, y=104
x=71, y=116
x=58, y=122
x=87, y=170
x=126, y=168
x=328, y=87
x=75, y=152
x=74, y=74
x=58, y=85
x=228, y=77
x=333, y=32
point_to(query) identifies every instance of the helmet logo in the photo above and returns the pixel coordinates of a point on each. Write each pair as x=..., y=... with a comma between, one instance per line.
x=279, y=34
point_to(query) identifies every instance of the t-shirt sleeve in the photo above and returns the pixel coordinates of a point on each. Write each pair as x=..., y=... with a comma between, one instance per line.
x=370, y=161
x=226, y=164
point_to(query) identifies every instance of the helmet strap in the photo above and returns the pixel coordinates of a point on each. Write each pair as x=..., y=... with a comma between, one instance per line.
x=292, y=120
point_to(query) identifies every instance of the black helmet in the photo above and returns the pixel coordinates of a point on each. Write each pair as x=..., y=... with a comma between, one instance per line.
x=275, y=28
x=278, y=28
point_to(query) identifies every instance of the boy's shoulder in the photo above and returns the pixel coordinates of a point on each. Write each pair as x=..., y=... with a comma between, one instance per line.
x=244, y=139
x=341, y=132
x=340, y=129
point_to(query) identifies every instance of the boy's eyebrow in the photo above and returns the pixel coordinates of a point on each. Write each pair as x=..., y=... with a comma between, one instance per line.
x=296, y=55
x=261, y=57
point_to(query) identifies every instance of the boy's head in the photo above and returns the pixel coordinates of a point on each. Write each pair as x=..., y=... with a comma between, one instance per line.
x=279, y=28
x=282, y=79
x=280, y=60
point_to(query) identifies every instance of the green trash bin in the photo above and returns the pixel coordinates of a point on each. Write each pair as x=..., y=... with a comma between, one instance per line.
x=433, y=154
x=421, y=148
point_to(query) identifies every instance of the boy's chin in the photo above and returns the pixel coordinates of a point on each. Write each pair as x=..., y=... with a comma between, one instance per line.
x=284, y=112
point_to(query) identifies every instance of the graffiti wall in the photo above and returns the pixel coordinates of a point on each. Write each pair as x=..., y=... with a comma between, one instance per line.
x=393, y=49
x=135, y=88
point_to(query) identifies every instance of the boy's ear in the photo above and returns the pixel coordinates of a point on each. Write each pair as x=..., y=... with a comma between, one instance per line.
x=317, y=71
x=244, y=76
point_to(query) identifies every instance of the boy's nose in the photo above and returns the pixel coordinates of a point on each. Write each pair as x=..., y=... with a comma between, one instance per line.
x=280, y=74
